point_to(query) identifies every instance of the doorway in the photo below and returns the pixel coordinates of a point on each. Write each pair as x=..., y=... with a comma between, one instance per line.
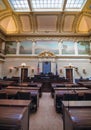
x=24, y=74
x=69, y=75
x=46, y=67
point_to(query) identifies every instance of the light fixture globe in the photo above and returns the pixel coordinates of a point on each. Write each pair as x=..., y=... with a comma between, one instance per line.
x=23, y=64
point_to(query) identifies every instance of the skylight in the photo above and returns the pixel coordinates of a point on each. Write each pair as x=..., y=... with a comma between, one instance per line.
x=75, y=5
x=47, y=5
x=19, y=5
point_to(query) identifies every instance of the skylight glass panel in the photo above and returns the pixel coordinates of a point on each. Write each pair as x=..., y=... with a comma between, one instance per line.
x=19, y=5
x=75, y=4
x=47, y=5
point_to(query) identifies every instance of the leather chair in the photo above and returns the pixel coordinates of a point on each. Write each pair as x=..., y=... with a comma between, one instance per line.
x=87, y=96
x=61, y=85
x=69, y=96
x=28, y=96
x=32, y=85
x=9, y=127
x=24, y=95
x=3, y=96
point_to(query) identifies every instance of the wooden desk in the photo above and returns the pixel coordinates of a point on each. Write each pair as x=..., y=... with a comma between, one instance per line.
x=4, y=83
x=10, y=92
x=59, y=94
x=85, y=83
x=78, y=104
x=14, y=116
x=81, y=92
x=71, y=88
x=58, y=97
x=30, y=84
x=16, y=103
x=64, y=84
x=26, y=88
x=34, y=94
x=23, y=88
x=77, y=115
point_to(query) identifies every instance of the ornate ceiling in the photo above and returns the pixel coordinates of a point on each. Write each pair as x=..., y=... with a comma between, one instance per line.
x=45, y=23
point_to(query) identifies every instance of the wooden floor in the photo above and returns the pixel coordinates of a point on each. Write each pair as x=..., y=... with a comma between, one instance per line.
x=46, y=117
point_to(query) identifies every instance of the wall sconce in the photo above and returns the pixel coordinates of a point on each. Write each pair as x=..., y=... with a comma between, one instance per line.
x=10, y=69
x=84, y=71
x=76, y=69
x=16, y=68
x=23, y=64
x=32, y=70
x=61, y=71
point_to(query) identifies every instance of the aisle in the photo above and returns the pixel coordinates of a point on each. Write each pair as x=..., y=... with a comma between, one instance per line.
x=46, y=118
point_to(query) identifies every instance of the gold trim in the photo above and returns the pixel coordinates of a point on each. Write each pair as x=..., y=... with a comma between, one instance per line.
x=46, y=54
x=36, y=22
x=30, y=21
x=14, y=18
x=79, y=20
x=56, y=57
x=63, y=22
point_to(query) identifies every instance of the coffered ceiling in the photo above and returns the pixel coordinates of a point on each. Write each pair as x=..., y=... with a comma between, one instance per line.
x=60, y=22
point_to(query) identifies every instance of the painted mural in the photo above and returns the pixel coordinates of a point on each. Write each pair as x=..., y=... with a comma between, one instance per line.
x=42, y=46
x=25, y=47
x=83, y=47
x=10, y=47
x=68, y=48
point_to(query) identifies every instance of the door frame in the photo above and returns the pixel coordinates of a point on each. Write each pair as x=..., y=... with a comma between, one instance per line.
x=71, y=74
x=24, y=74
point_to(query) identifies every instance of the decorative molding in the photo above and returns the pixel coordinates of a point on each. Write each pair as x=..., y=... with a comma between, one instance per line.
x=46, y=54
x=46, y=37
x=2, y=35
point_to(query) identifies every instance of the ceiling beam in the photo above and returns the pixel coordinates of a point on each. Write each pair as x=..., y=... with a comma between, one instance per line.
x=29, y=3
x=64, y=4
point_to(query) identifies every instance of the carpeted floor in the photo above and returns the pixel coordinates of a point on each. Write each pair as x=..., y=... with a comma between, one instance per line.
x=46, y=117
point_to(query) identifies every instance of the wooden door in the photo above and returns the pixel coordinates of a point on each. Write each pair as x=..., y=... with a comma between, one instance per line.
x=24, y=74
x=69, y=75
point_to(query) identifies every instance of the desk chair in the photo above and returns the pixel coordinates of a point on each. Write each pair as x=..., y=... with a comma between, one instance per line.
x=87, y=96
x=69, y=96
x=24, y=95
x=3, y=96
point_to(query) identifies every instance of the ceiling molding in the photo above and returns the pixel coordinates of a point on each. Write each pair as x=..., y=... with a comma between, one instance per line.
x=49, y=27
x=68, y=23
x=59, y=38
x=9, y=18
x=82, y=15
x=2, y=35
x=25, y=27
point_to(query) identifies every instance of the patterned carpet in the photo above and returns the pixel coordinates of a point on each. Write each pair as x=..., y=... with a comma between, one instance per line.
x=46, y=117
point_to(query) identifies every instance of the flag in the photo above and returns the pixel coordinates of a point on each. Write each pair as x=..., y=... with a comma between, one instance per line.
x=38, y=69
x=56, y=69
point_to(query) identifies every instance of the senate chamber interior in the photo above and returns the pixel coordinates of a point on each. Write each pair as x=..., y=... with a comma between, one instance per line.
x=45, y=64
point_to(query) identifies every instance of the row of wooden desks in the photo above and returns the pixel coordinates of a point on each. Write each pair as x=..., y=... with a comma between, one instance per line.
x=76, y=115
x=85, y=83
x=30, y=85
x=4, y=84
x=14, y=115
x=59, y=95
x=55, y=86
x=12, y=92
